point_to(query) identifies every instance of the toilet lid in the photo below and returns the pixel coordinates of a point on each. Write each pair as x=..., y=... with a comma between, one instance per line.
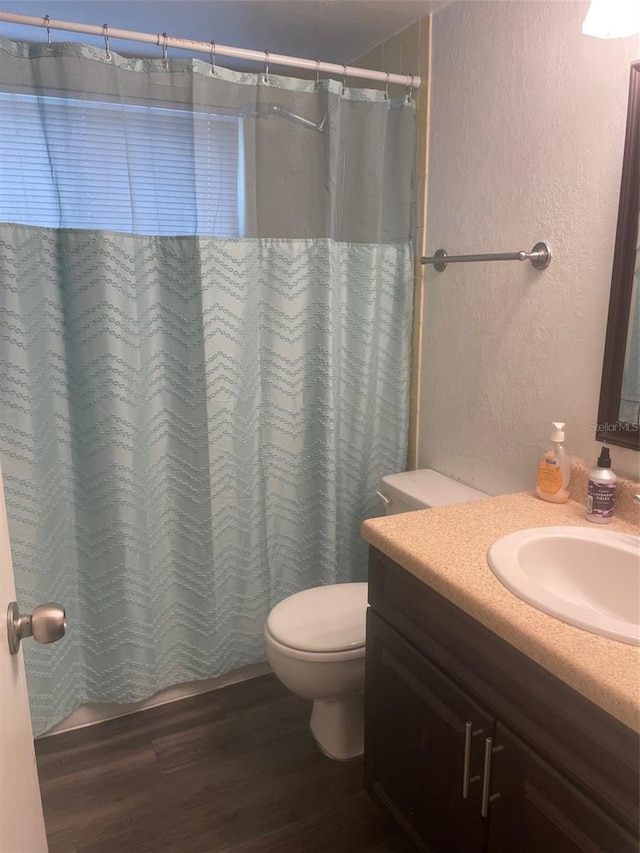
x=323, y=619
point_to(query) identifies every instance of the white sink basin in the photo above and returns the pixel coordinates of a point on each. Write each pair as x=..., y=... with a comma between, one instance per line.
x=588, y=578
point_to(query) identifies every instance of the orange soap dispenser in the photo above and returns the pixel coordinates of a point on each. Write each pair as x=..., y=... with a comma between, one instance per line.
x=554, y=470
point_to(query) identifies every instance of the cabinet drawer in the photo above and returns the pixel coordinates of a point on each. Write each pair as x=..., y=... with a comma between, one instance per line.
x=593, y=750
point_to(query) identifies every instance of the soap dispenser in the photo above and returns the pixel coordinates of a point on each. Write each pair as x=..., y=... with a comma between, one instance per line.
x=554, y=471
x=601, y=490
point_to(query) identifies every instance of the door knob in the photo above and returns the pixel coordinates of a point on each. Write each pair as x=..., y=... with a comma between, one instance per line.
x=46, y=624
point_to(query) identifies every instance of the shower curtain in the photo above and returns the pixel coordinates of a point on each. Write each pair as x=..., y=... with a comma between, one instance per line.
x=206, y=291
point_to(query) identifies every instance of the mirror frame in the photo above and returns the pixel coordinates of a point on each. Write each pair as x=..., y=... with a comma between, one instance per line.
x=609, y=428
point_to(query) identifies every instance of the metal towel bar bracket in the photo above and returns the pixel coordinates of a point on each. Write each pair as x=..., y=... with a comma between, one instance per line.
x=540, y=257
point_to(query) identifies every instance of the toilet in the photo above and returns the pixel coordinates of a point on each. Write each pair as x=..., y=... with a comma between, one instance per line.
x=316, y=638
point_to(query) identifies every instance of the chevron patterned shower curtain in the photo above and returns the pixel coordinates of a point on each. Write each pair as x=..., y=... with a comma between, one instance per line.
x=205, y=295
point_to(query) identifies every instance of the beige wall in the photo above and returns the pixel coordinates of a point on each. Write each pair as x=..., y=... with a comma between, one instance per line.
x=526, y=136
x=408, y=53
x=521, y=119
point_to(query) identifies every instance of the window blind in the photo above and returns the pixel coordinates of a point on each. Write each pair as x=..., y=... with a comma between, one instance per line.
x=71, y=163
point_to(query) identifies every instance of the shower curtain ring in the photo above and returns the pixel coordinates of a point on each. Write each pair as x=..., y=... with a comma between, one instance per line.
x=386, y=88
x=47, y=19
x=165, y=53
x=317, y=73
x=107, y=52
x=344, y=78
x=410, y=89
x=266, y=66
x=213, y=58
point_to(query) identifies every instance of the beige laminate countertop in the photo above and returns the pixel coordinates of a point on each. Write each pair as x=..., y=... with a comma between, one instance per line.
x=446, y=548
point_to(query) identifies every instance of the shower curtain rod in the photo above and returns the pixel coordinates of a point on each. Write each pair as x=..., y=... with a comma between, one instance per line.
x=412, y=81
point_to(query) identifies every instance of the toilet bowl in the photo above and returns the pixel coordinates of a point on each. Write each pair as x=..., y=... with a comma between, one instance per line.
x=316, y=638
x=316, y=644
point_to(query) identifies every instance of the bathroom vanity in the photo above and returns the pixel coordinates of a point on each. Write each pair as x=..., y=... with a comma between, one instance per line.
x=490, y=726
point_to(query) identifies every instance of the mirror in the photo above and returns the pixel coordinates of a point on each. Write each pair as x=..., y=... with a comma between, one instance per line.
x=619, y=412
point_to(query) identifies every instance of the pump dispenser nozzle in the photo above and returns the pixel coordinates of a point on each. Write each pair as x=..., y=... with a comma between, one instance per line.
x=604, y=460
x=558, y=432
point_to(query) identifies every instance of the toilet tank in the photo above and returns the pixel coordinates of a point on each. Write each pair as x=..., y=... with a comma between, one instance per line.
x=411, y=490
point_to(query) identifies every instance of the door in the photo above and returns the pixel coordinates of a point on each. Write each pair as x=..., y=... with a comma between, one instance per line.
x=534, y=808
x=21, y=820
x=424, y=740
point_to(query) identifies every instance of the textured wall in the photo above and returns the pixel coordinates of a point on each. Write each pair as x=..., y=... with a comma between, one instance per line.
x=526, y=134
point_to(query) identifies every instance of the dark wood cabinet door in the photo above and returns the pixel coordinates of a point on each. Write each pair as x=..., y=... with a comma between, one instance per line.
x=416, y=720
x=538, y=811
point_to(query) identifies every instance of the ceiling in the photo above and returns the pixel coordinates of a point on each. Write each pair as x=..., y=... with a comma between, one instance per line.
x=330, y=30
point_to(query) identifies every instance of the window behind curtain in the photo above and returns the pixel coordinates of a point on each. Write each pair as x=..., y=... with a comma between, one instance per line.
x=69, y=163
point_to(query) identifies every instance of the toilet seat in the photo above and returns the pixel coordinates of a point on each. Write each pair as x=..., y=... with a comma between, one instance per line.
x=325, y=620
x=312, y=657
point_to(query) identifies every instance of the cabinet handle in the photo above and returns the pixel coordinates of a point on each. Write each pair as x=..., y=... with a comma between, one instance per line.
x=466, y=768
x=489, y=751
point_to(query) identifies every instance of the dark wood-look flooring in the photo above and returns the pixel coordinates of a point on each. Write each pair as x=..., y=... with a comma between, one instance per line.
x=235, y=769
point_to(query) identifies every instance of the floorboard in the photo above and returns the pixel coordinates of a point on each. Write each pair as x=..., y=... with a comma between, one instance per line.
x=235, y=769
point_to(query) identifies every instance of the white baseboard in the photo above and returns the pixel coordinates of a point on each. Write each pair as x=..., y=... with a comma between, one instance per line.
x=98, y=712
